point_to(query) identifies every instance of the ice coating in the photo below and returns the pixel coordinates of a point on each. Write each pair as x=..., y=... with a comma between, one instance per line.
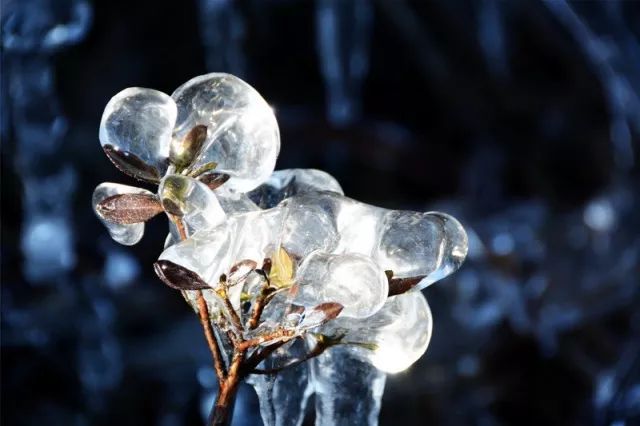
x=235, y=202
x=283, y=396
x=348, y=391
x=253, y=235
x=207, y=253
x=400, y=332
x=289, y=182
x=136, y=125
x=410, y=244
x=415, y=244
x=353, y=280
x=192, y=201
x=242, y=133
x=306, y=227
x=128, y=234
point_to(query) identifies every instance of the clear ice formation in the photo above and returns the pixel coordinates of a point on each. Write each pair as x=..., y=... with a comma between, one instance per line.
x=126, y=234
x=243, y=138
x=348, y=391
x=345, y=276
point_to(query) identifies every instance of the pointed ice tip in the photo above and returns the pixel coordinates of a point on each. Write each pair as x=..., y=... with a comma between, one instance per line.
x=178, y=277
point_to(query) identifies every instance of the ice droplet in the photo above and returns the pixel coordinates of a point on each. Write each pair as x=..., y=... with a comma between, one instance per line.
x=136, y=127
x=353, y=280
x=242, y=132
x=414, y=244
x=400, y=332
x=124, y=234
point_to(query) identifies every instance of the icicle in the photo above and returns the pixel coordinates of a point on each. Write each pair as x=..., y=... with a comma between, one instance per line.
x=337, y=376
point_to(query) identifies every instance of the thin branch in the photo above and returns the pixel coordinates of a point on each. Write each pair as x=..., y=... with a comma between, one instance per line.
x=261, y=354
x=278, y=335
x=317, y=350
x=258, y=306
x=203, y=313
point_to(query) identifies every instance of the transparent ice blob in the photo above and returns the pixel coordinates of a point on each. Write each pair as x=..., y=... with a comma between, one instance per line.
x=135, y=131
x=289, y=182
x=395, y=336
x=353, y=280
x=414, y=244
x=128, y=234
x=191, y=201
x=242, y=133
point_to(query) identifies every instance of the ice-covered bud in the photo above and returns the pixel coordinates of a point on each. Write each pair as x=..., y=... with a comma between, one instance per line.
x=191, y=201
x=242, y=133
x=206, y=253
x=183, y=151
x=124, y=233
x=135, y=132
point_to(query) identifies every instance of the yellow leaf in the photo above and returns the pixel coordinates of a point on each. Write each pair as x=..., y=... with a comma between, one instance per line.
x=282, y=269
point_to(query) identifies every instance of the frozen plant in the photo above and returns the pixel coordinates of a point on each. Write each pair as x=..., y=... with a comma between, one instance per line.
x=279, y=266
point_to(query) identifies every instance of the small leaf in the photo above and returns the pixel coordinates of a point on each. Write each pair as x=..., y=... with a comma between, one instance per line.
x=281, y=269
x=178, y=277
x=365, y=345
x=211, y=165
x=131, y=164
x=330, y=309
x=184, y=151
x=171, y=207
x=240, y=270
x=321, y=314
x=266, y=265
x=125, y=209
x=402, y=285
x=214, y=180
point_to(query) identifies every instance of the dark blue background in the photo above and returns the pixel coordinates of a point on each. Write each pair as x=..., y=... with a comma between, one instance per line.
x=522, y=119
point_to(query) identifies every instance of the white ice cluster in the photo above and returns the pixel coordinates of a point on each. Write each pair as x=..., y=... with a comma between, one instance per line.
x=211, y=148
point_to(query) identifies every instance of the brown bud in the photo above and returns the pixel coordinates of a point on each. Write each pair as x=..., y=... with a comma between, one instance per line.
x=183, y=152
x=330, y=310
x=214, y=180
x=131, y=164
x=126, y=209
x=178, y=277
x=402, y=285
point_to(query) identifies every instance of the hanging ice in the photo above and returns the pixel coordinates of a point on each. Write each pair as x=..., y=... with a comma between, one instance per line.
x=348, y=390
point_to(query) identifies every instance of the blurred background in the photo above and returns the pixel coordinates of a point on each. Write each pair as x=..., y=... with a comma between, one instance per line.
x=522, y=119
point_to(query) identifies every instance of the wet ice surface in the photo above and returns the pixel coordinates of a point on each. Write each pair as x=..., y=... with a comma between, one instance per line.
x=243, y=136
x=126, y=234
x=325, y=250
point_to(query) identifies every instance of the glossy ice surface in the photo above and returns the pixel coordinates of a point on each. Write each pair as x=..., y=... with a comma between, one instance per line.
x=328, y=263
